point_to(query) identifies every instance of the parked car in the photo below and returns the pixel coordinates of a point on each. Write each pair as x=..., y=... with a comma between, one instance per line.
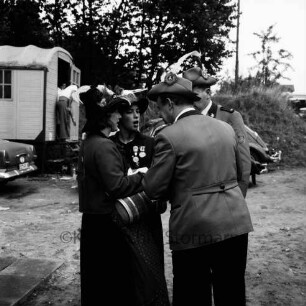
x=298, y=104
x=302, y=112
x=16, y=160
x=261, y=155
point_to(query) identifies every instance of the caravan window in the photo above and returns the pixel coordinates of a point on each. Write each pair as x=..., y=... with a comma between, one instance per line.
x=5, y=84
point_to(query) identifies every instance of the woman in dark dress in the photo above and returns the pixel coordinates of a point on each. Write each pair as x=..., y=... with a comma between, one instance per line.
x=146, y=235
x=105, y=256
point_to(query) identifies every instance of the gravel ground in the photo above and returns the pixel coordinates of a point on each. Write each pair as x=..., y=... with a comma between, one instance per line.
x=39, y=218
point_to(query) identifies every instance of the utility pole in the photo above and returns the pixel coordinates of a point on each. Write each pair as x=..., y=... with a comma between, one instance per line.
x=237, y=46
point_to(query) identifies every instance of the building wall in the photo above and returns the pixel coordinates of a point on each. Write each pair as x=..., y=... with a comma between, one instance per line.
x=51, y=96
x=21, y=117
x=29, y=119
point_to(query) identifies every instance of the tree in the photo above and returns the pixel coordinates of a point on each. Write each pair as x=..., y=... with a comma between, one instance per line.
x=237, y=45
x=123, y=41
x=165, y=30
x=87, y=37
x=271, y=65
x=56, y=17
x=21, y=25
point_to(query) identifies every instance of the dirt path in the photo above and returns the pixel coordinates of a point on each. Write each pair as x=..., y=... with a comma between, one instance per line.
x=43, y=222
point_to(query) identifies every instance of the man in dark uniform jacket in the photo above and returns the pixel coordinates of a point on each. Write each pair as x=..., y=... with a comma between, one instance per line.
x=195, y=167
x=201, y=83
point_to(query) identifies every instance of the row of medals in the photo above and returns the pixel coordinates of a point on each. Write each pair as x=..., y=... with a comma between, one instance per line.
x=138, y=152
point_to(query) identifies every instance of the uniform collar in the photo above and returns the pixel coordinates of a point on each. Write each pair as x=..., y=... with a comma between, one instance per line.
x=187, y=109
x=212, y=112
x=137, y=136
x=206, y=109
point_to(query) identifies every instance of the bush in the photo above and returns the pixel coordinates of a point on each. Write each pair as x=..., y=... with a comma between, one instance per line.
x=268, y=112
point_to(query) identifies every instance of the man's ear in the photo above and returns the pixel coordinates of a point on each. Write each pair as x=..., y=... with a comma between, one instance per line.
x=207, y=90
x=170, y=103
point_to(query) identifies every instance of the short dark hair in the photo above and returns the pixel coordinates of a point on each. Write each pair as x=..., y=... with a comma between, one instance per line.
x=203, y=87
x=177, y=99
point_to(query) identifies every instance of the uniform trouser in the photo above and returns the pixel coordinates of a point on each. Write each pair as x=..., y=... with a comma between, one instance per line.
x=219, y=267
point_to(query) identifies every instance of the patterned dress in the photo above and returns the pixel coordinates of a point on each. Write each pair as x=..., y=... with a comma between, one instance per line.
x=145, y=237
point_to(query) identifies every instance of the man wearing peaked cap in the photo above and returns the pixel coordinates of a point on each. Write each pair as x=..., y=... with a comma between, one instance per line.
x=194, y=167
x=201, y=83
x=199, y=78
x=173, y=85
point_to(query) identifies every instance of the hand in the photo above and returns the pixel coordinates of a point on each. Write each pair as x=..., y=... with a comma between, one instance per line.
x=133, y=171
x=161, y=206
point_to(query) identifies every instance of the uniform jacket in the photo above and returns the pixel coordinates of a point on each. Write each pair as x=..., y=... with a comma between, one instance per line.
x=195, y=168
x=234, y=119
x=137, y=153
x=101, y=177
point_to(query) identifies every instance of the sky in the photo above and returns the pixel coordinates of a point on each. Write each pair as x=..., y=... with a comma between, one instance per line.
x=289, y=20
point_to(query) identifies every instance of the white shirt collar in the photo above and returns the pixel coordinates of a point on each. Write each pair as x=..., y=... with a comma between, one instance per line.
x=206, y=109
x=185, y=110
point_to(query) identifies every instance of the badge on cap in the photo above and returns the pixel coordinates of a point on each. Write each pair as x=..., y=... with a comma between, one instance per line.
x=170, y=78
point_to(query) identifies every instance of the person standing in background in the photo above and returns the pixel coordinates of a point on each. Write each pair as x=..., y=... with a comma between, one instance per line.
x=63, y=112
x=201, y=83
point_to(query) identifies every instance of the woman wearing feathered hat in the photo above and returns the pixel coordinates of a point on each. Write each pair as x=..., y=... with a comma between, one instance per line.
x=107, y=275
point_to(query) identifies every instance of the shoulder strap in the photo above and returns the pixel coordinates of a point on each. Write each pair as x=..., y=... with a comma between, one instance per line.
x=226, y=109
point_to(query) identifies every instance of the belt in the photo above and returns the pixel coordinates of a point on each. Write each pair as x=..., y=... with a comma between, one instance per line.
x=215, y=188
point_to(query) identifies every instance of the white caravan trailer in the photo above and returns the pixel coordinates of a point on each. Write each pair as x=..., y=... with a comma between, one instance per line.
x=29, y=81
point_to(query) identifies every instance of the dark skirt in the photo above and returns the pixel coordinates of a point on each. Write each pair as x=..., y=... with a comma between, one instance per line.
x=121, y=265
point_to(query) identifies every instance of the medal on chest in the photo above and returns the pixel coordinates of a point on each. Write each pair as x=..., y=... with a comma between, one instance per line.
x=138, y=152
x=142, y=153
x=135, y=157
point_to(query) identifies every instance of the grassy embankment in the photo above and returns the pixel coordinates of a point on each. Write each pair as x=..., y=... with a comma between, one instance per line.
x=268, y=112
